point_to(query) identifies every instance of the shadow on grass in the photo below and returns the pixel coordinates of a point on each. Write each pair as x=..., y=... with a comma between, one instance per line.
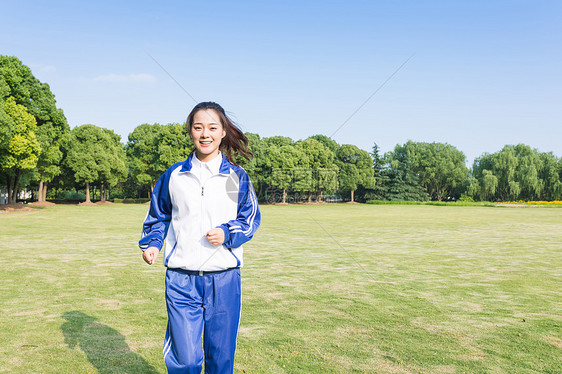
x=104, y=346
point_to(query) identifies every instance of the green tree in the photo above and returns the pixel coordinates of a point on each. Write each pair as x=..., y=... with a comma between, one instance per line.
x=489, y=185
x=327, y=180
x=330, y=143
x=503, y=165
x=378, y=163
x=7, y=127
x=49, y=164
x=175, y=145
x=95, y=155
x=403, y=184
x=17, y=80
x=521, y=172
x=559, y=171
x=273, y=166
x=472, y=187
x=19, y=151
x=377, y=191
x=356, y=168
x=152, y=149
x=550, y=174
x=142, y=155
x=527, y=172
x=278, y=141
x=440, y=167
x=283, y=161
x=327, y=177
x=113, y=164
x=315, y=158
x=255, y=168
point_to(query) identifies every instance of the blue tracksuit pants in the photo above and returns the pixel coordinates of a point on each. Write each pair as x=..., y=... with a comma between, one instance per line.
x=207, y=305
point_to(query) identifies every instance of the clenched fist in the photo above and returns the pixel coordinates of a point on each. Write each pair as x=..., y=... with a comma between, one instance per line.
x=150, y=255
x=215, y=236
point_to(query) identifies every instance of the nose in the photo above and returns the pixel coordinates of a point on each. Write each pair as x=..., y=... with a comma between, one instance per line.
x=205, y=132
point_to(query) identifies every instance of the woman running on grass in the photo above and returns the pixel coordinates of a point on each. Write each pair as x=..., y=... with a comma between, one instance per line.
x=204, y=209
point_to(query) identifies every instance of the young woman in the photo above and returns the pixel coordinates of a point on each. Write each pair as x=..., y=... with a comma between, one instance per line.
x=203, y=209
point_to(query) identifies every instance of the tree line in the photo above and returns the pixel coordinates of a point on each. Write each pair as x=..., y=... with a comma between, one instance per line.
x=38, y=149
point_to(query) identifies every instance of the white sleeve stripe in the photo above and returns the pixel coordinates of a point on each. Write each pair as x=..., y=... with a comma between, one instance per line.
x=252, y=214
x=254, y=209
x=234, y=227
x=143, y=233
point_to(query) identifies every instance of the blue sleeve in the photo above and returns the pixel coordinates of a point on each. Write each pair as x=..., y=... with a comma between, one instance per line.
x=242, y=229
x=155, y=226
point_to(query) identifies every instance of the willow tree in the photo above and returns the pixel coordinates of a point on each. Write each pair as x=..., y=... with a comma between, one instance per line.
x=550, y=174
x=521, y=172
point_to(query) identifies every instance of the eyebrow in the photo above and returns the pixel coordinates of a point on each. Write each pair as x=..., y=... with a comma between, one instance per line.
x=201, y=123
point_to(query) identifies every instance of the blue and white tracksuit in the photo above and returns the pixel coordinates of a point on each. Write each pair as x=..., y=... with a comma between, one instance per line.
x=203, y=280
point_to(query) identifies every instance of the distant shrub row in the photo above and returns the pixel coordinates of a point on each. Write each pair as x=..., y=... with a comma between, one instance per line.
x=436, y=203
x=131, y=201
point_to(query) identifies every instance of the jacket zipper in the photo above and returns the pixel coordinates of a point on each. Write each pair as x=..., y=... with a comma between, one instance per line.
x=203, y=218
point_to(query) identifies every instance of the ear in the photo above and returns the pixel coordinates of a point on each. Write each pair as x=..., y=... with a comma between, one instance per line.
x=223, y=133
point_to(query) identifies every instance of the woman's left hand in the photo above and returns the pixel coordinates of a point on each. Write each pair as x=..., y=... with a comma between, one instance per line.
x=215, y=236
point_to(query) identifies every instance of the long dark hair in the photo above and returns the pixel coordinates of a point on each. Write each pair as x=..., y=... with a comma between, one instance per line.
x=234, y=143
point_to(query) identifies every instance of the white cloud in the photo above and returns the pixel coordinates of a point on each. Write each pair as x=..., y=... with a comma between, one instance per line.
x=142, y=77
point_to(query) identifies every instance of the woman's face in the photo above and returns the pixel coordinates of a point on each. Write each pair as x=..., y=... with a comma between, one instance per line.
x=207, y=133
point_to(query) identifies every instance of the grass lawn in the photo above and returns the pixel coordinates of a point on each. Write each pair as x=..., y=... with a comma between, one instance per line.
x=326, y=289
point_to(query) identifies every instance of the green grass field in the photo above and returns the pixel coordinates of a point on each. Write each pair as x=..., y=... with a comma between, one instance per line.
x=326, y=289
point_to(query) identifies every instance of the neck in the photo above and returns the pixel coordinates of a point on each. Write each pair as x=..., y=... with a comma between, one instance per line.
x=206, y=158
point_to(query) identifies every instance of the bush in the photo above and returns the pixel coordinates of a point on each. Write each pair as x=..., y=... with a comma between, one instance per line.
x=131, y=201
x=116, y=194
x=394, y=202
x=466, y=198
x=435, y=203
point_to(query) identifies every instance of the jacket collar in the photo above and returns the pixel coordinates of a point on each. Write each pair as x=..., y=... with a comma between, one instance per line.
x=224, y=168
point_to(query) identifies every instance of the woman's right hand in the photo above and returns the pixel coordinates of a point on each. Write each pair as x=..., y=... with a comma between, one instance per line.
x=150, y=255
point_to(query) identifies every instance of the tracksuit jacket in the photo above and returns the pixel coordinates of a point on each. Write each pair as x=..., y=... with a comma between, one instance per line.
x=183, y=210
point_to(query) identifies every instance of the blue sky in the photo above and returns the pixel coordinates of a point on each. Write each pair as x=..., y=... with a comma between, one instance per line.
x=483, y=73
